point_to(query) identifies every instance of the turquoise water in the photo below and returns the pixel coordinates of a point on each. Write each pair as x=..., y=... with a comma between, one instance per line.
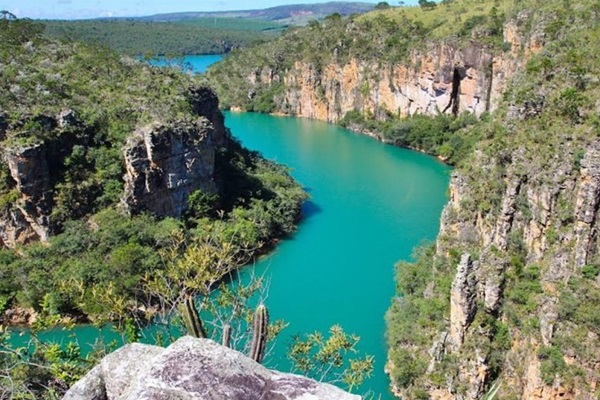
x=370, y=205
x=196, y=64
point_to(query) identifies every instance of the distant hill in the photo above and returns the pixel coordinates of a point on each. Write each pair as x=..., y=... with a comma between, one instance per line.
x=296, y=14
x=196, y=32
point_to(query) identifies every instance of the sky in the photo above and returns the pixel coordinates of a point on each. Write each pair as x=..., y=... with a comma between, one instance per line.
x=76, y=9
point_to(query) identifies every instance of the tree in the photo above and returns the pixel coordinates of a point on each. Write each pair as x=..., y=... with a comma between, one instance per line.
x=427, y=4
x=325, y=359
x=382, y=5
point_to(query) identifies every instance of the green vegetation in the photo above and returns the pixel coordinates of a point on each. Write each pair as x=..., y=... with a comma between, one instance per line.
x=414, y=320
x=101, y=265
x=195, y=32
x=383, y=38
x=556, y=124
x=198, y=36
x=326, y=358
x=294, y=14
x=441, y=135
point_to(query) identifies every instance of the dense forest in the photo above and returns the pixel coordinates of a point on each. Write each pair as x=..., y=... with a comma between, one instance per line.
x=196, y=32
x=198, y=36
x=292, y=14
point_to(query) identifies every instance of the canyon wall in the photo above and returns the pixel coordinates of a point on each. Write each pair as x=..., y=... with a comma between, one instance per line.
x=507, y=303
x=164, y=162
x=548, y=216
x=438, y=77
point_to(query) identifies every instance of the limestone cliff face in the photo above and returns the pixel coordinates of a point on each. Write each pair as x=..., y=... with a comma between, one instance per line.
x=193, y=369
x=166, y=163
x=28, y=219
x=547, y=213
x=440, y=77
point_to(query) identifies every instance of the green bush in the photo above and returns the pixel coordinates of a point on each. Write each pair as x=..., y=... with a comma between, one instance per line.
x=552, y=363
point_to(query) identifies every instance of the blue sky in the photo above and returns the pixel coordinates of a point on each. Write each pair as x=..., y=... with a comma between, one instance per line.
x=70, y=9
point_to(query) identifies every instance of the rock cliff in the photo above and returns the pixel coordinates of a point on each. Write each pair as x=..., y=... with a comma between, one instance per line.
x=193, y=369
x=448, y=76
x=528, y=274
x=445, y=78
x=506, y=303
x=163, y=164
x=31, y=172
x=28, y=219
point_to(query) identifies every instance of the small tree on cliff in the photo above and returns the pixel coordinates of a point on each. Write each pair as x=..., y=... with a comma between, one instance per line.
x=427, y=4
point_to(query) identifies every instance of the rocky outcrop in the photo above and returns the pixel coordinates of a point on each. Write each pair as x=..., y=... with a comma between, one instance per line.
x=586, y=206
x=462, y=300
x=443, y=77
x=167, y=162
x=27, y=220
x=193, y=369
x=32, y=169
x=164, y=163
x=535, y=239
x=205, y=103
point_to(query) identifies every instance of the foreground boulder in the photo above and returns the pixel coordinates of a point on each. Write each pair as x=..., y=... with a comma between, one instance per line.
x=193, y=369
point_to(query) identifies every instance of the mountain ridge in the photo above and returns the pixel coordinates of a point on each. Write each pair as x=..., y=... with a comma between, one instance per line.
x=277, y=13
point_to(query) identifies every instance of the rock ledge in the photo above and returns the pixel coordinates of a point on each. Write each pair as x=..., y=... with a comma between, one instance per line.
x=193, y=369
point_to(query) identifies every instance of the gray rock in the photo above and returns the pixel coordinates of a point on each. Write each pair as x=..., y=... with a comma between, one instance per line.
x=463, y=297
x=27, y=220
x=194, y=369
x=165, y=163
x=67, y=118
x=587, y=202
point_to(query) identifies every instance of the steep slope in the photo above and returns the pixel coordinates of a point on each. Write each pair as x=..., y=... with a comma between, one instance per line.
x=507, y=302
x=384, y=63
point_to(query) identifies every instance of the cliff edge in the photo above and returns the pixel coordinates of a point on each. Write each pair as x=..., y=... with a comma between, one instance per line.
x=193, y=369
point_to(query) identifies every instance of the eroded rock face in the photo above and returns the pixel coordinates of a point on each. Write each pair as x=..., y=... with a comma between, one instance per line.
x=28, y=219
x=193, y=369
x=547, y=214
x=436, y=77
x=439, y=79
x=462, y=300
x=206, y=104
x=165, y=163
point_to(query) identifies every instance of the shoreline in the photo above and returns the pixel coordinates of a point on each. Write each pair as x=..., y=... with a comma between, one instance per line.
x=356, y=128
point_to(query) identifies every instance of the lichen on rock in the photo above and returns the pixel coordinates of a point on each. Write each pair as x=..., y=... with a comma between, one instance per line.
x=190, y=369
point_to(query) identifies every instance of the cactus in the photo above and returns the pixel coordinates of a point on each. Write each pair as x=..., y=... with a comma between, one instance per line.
x=259, y=328
x=191, y=318
x=226, y=335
